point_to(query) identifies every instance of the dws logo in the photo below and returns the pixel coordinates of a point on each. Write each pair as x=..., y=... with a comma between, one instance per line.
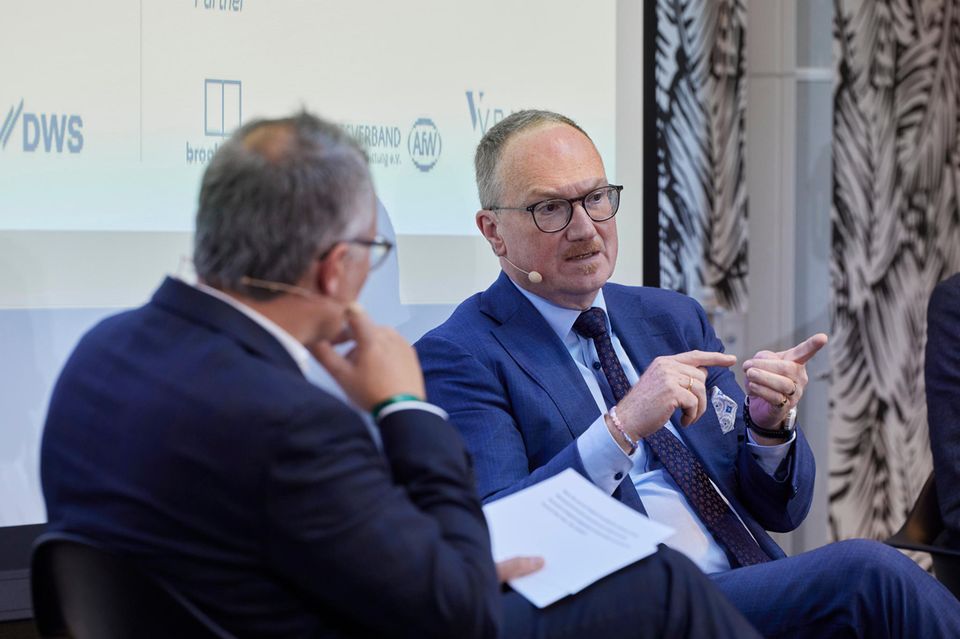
x=44, y=132
x=424, y=144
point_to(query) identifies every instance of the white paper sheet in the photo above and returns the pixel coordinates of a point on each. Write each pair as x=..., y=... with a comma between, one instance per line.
x=582, y=533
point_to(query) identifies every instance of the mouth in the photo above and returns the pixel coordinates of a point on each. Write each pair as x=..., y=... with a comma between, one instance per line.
x=583, y=256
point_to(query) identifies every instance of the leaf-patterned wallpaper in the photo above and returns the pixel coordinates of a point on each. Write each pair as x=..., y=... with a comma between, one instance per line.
x=895, y=234
x=700, y=111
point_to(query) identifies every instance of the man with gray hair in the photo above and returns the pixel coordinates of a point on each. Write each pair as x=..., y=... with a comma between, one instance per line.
x=185, y=436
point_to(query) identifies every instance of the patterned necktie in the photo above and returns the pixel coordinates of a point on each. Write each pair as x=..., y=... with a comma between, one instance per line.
x=683, y=466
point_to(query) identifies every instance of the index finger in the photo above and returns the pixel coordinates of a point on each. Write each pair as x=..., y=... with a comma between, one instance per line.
x=805, y=350
x=359, y=322
x=706, y=358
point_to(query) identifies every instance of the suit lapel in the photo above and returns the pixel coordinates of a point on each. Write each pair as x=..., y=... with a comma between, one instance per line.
x=537, y=350
x=645, y=338
x=639, y=338
x=182, y=299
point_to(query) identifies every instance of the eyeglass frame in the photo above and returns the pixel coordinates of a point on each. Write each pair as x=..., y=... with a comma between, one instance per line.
x=376, y=240
x=571, y=201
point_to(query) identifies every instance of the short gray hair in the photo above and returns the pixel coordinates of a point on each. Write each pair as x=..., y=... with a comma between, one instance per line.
x=275, y=196
x=487, y=159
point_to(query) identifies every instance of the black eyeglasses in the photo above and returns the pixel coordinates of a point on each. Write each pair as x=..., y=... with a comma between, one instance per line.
x=379, y=246
x=552, y=216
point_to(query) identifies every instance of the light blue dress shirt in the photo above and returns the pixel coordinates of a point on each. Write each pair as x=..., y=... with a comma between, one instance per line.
x=607, y=464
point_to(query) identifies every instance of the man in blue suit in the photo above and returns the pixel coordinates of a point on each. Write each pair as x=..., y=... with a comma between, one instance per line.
x=185, y=435
x=942, y=373
x=552, y=367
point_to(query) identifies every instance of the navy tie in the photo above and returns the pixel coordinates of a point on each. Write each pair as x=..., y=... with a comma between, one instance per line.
x=683, y=466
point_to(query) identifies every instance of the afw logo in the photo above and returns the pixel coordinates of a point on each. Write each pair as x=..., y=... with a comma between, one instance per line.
x=43, y=132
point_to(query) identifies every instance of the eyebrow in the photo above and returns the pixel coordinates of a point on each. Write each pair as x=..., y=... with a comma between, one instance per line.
x=588, y=186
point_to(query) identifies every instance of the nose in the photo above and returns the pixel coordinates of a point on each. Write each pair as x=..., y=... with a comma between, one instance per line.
x=581, y=226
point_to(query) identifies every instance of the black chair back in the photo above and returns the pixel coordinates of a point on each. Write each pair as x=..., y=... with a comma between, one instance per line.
x=921, y=531
x=85, y=592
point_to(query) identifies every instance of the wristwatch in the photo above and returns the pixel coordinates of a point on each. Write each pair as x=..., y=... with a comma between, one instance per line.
x=787, y=426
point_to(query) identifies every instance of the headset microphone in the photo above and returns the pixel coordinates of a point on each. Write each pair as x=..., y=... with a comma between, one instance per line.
x=533, y=276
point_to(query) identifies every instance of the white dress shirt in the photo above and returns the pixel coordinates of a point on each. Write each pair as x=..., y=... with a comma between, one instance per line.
x=312, y=369
x=606, y=463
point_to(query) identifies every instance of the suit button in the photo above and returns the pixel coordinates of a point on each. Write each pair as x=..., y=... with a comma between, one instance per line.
x=618, y=476
x=596, y=366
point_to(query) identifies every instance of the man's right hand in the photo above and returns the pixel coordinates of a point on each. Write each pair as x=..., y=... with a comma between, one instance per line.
x=380, y=365
x=669, y=383
x=515, y=567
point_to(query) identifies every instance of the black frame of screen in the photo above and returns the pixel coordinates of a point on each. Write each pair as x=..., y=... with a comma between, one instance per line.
x=651, y=194
x=15, y=545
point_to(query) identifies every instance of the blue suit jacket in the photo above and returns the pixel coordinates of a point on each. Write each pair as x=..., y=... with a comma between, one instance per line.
x=184, y=435
x=943, y=398
x=517, y=396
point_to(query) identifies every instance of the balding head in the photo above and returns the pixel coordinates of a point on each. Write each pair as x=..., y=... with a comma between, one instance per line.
x=275, y=196
x=487, y=161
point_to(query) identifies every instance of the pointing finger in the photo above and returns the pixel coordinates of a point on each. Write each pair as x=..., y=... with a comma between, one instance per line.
x=802, y=352
x=706, y=358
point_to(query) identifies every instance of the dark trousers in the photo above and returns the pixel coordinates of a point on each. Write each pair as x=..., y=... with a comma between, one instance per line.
x=662, y=596
x=854, y=588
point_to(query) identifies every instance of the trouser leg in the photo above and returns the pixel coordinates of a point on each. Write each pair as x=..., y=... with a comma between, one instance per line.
x=662, y=596
x=854, y=588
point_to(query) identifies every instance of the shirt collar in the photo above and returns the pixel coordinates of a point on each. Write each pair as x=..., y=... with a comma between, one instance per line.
x=297, y=351
x=561, y=319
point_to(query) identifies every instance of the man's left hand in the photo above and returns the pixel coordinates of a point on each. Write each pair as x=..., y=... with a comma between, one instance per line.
x=775, y=381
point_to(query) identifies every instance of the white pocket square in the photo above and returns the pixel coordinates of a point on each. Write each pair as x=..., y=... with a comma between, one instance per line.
x=726, y=410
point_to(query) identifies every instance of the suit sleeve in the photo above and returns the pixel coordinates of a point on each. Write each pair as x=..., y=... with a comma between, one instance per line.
x=779, y=502
x=393, y=544
x=480, y=407
x=942, y=370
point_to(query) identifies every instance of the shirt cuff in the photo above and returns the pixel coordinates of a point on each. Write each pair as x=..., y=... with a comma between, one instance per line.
x=769, y=457
x=412, y=405
x=603, y=459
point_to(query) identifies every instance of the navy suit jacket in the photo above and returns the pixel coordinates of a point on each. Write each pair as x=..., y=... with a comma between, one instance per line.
x=943, y=398
x=184, y=435
x=520, y=402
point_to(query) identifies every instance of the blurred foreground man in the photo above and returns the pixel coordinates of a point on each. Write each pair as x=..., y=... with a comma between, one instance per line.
x=184, y=435
x=552, y=367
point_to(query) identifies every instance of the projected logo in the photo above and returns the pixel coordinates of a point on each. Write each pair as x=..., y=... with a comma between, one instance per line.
x=424, y=144
x=381, y=141
x=222, y=107
x=227, y=6
x=43, y=132
x=222, y=114
x=482, y=116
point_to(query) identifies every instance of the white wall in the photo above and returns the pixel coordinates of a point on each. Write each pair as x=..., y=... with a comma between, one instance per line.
x=788, y=181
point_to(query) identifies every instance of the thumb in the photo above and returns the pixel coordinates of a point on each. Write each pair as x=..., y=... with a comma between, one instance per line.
x=361, y=326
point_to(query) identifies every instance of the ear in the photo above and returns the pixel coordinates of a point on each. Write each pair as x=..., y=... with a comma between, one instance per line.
x=489, y=225
x=328, y=273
